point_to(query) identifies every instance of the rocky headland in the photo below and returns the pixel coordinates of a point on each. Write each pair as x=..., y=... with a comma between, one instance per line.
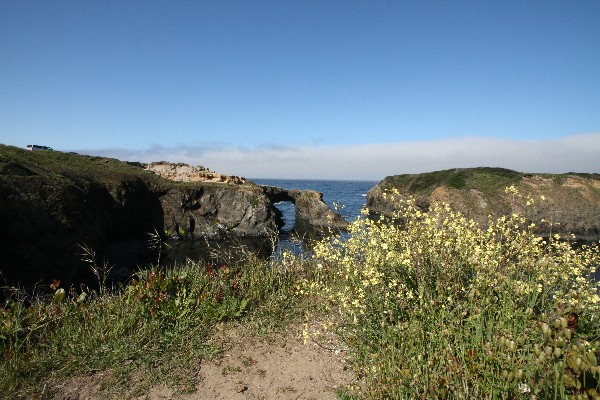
x=561, y=204
x=51, y=203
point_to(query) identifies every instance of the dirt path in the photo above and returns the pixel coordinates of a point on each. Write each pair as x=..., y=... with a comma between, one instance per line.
x=274, y=366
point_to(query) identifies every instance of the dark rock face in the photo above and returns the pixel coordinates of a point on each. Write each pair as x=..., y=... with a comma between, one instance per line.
x=311, y=211
x=52, y=203
x=46, y=220
x=562, y=204
x=218, y=211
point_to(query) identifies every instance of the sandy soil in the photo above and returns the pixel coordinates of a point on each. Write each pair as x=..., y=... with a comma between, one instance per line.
x=274, y=366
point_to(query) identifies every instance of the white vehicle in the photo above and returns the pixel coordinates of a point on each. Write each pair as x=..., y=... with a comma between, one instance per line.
x=33, y=147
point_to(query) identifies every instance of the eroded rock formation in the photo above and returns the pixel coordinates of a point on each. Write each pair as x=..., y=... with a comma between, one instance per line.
x=242, y=213
x=217, y=211
x=311, y=211
x=51, y=203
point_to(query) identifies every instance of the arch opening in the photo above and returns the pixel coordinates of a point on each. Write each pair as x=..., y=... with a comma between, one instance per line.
x=287, y=209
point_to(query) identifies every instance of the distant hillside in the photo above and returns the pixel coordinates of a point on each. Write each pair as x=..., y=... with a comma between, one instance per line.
x=571, y=201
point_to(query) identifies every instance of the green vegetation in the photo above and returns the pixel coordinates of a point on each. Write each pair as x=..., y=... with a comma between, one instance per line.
x=155, y=328
x=433, y=308
x=489, y=181
x=486, y=180
x=69, y=166
x=81, y=169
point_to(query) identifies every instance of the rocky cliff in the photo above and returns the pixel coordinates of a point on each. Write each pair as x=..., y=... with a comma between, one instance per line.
x=561, y=203
x=51, y=203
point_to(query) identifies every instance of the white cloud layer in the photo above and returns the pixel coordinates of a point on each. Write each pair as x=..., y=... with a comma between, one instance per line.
x=578, y=153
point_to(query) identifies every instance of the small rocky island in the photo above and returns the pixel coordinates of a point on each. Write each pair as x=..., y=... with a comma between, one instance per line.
x=52, y=202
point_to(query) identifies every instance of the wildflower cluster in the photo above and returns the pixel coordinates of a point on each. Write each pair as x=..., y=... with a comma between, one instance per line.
x=437, y=306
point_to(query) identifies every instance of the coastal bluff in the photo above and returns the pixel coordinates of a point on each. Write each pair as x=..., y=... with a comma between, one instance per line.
x=311, y=211
x=565, y=204
x=52, y=202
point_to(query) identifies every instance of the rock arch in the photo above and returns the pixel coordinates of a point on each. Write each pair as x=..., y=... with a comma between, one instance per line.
x=311, y=211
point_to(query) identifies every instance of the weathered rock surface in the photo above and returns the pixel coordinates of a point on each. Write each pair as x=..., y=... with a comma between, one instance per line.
x=244, y=213
x=571, y=202
x=217, y=211
x=187, y=173
x=53, y=202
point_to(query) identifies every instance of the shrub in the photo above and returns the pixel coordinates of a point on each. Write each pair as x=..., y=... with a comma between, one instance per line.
x=433, y=306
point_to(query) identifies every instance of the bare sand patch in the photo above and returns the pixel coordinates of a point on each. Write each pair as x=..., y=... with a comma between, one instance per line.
x=250, y=366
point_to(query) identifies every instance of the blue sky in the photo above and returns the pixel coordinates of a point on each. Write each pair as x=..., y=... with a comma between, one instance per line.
x=307, y=89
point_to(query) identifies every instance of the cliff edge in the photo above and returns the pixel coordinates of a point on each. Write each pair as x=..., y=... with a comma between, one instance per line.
x=52, y=202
